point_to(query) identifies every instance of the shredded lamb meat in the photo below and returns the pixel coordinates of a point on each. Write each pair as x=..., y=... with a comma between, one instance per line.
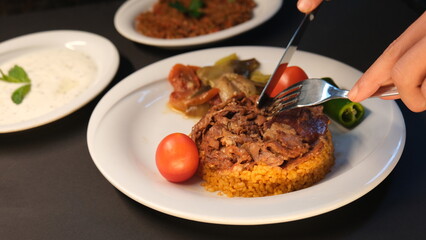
x=238, y=134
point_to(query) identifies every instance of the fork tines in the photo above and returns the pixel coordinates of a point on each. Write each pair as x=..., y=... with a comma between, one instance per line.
x=286, y=99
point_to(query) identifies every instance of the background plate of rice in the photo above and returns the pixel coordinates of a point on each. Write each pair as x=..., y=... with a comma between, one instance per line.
x=126, y=14
x=132, y=118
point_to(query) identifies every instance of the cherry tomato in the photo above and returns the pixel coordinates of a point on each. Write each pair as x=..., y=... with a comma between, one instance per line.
x=177, y=157
x=290, y=76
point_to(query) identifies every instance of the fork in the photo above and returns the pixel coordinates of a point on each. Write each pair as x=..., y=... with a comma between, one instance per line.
x=315, y=91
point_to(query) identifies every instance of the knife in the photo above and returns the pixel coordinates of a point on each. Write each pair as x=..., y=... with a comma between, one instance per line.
x=265, y=97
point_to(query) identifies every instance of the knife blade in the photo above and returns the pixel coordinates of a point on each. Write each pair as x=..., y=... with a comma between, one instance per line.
x=265, y=97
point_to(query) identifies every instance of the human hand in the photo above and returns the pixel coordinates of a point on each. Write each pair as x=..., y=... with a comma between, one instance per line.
x=403, y=64
x=306, y=6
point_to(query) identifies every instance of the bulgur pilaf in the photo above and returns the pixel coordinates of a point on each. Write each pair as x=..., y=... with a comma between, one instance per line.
x=245, y=152
x=263, y=180
x=166, y=22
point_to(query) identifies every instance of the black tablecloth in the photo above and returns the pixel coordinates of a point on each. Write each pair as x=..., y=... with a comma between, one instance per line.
x=51, y=189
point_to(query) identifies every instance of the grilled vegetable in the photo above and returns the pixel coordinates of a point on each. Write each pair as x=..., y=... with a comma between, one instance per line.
x=196, y=89
x=231, y=84
x=345, y=112
x=259, y=78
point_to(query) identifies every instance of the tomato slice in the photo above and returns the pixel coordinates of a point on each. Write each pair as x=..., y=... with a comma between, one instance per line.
x=288, y=77
x=177, y=157
x=184, y=78
x=203, y=97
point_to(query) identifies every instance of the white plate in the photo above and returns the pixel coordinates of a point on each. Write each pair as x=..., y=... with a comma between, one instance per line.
x=126, y=14
x=102, y=52
x=132, y=118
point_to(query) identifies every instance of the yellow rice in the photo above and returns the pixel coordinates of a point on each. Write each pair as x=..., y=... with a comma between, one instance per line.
x=263, y=180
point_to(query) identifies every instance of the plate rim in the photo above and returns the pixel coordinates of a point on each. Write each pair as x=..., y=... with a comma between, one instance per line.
x=241, y=221
x=48, y=39
x=121, y=24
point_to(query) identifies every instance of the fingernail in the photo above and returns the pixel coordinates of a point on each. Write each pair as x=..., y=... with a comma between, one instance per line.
x=353, y=92
x=304, y=6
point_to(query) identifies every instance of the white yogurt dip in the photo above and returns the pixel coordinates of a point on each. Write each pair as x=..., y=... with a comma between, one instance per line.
x=58, y=75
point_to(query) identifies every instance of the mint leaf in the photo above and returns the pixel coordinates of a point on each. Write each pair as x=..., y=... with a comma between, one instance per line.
x=179, y=6
x=194, y=8
x=16, y=75
x=19, y=73
x=8, y=78
x=195, y=5
x=19, y=94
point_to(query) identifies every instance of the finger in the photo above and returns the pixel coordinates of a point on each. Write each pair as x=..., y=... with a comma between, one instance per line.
x=377, y=75
x=380, y=72
x=409, y=74
x=306, y=6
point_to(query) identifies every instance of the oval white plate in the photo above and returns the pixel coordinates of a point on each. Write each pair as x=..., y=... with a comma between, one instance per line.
x=126, y=14
x=100, y=49
x=131, y=119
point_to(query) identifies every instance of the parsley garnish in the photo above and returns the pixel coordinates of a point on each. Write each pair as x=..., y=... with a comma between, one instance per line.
x=17, y=75
x=193, y=10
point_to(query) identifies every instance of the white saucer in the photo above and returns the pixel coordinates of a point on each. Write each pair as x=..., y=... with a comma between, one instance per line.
x=99, y=49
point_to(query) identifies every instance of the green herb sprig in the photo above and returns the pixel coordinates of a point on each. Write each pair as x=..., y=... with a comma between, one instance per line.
x=193, y=10
x=17, y=75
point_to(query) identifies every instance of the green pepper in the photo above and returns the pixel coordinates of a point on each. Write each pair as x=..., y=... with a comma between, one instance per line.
x=345, y=112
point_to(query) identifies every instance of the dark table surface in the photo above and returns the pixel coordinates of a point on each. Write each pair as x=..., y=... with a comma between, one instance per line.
x=51, y=189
